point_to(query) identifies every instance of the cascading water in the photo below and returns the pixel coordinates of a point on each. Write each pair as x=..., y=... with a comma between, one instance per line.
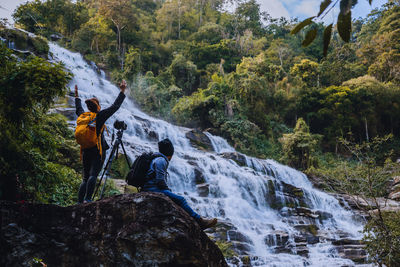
x=265, y=208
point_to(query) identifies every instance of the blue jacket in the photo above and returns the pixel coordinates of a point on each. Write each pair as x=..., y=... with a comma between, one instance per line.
x=157, y=174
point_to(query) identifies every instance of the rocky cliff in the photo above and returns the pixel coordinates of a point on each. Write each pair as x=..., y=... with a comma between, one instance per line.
x=145, y=229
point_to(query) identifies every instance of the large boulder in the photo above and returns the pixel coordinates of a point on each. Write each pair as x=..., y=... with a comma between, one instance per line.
x=239, y=158
x=199, y=140
x=144, y=229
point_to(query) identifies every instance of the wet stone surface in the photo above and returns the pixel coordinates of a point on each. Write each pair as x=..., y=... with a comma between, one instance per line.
x=125, y=230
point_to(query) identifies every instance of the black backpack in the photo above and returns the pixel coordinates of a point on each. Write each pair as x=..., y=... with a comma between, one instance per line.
x=137, y=175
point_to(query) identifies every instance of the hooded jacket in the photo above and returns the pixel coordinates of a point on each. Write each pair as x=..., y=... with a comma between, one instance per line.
x=157, y=174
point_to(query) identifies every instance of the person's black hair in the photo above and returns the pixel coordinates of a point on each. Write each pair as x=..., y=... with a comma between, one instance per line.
x=166, y=147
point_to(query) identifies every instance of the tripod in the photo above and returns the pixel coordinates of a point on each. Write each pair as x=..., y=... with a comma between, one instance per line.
x=114, y=153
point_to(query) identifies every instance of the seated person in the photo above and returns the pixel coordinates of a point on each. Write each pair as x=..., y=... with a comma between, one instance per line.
x=156, y=182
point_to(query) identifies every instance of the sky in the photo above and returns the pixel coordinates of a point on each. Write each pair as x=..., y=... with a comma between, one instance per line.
x=276, y=8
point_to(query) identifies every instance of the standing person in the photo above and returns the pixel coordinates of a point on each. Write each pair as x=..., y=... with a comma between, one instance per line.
x=90, y=134
x=156, y=182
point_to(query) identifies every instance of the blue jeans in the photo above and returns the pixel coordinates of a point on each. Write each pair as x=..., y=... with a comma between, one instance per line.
x=181, y=201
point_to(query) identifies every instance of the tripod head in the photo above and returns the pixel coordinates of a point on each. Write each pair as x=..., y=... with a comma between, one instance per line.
x=120, y=132
x=120, y=126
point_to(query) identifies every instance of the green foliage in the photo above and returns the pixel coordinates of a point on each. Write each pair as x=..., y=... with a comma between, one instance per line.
x=155, y=94
x=190, y=62
x=46, y=17
x=119, y=168
x=307, y=71
x=23, y=41
x=299, y=148
x=226, y=248
x=382, y=237
x=184, y=74
x=37, y=149
x=366, y=179
x=40, y=45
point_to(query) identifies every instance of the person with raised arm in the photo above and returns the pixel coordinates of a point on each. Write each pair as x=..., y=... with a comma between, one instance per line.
x=89, y=133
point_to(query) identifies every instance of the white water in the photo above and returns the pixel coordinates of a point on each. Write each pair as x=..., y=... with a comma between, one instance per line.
x=238, y=195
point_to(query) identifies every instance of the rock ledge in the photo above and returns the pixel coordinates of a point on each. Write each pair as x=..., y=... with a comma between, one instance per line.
x=145, y=229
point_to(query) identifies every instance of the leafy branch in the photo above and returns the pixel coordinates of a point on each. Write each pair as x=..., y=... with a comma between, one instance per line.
x=343, y=22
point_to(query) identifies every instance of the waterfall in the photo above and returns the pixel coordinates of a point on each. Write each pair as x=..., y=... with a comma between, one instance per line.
x=264, y=207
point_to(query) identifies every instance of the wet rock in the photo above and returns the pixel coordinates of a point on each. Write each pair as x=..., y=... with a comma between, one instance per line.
x=277, y=238
x=198, y=176
x=193, y=163
x=302, y=250
x=312, y=239
x=289, y=249
x=246, y=261
x=317, y=181
x=292, y=190
x=300, y=239
x=351, y=249
x=367, y=205
x=395, y=196
x=199, y=140
x=346, y=241
x=234, y=235
x=56, y=37
x=152, y=135
x=219, y=232
x=307, y=229
x=203, y=190
x=241, y=247
x=240, y=159
x=323, y=215
x=126, y=230
x=303, y=211
x=69, y=113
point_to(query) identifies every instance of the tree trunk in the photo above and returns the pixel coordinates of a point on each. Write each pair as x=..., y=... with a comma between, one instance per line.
x=179, y=19
x=119, y=39
x=366, y=129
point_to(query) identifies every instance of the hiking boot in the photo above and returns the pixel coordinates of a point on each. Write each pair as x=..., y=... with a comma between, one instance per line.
x=206, y=223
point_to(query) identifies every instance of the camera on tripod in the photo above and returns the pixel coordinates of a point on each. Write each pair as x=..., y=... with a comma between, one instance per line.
x=120, y=125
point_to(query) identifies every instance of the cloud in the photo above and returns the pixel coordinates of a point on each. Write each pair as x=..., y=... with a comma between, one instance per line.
x=7, y=8
x=275, y=8
x=307, y=8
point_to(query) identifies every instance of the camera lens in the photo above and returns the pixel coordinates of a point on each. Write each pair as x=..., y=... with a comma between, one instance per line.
x=120, y=125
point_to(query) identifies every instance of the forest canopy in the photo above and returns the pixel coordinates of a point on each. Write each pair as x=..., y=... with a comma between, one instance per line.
x=240, y=74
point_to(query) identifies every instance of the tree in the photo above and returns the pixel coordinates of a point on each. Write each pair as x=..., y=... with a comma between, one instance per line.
x=185, y=74
x=299, y=147
x=32, y=148
x=364, y=180
x=382, y=51
x=307, y=71
x=170, y=16
x=121, y=14
x=61, y=16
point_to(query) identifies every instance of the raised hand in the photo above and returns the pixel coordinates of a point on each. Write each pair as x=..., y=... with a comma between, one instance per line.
x=76, y=90
x=122, y=86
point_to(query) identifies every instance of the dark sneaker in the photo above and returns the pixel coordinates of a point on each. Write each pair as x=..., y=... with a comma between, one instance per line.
x=207, y=223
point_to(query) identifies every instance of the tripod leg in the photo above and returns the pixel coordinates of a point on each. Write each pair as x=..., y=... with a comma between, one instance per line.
x=126, y=156
x=116, y=145
x=105, y=170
